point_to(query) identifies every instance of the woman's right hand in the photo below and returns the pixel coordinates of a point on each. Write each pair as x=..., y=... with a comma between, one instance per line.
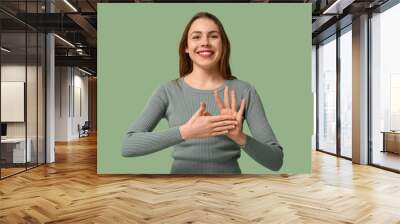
x=202, y=125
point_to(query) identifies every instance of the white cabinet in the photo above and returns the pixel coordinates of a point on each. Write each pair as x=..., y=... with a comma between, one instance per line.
x=18, y=149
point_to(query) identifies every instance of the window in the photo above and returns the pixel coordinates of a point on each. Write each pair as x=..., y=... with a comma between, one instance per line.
x=385, y=88
x=346, y=93
x=327, y=95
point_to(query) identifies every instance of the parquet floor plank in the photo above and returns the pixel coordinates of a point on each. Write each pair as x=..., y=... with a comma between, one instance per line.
x=70, y=191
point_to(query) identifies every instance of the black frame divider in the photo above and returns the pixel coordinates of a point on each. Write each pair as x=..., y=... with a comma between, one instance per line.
x=316, y=97
x=338, y=75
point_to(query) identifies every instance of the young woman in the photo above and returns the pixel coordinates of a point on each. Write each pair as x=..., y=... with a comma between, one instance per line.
x=205, y=129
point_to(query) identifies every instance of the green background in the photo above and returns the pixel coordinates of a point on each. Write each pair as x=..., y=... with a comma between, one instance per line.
x=138, y=50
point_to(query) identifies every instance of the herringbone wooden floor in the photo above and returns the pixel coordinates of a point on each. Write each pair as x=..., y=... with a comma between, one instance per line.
x=70, y=191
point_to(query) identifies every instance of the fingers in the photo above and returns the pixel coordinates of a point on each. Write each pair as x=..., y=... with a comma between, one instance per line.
x=203, y=105
x=219, y=133
x=207, y=113
x=233, y=100
x=218, y=100
x=223, y=128
x=217, y=118
x=241, y=109
x=226, y=97
x=224, y=123
x=201, y=110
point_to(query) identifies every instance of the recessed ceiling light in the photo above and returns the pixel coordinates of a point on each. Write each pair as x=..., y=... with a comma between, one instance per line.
x=70, y=5
x=337, y=7
x=84, y=71
x=5, y=50
x=64, y=40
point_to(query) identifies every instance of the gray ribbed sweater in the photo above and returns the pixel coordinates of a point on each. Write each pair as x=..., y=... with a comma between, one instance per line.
x=177, y=102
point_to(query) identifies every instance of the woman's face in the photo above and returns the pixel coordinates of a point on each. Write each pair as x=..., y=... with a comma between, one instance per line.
x=204, y=44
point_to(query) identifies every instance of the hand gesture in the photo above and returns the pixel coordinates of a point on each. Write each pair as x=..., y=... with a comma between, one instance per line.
x=202, y=124
x=227, y=108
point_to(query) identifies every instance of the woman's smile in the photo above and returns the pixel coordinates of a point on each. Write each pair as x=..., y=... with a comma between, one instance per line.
x=205, y=53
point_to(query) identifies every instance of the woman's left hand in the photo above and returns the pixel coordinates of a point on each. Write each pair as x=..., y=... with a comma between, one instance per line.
x=227, y=108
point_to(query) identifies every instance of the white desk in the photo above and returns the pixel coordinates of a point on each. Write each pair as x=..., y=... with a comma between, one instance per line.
x=19, y=149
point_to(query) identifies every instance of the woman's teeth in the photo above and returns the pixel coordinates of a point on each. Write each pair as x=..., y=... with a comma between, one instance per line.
x=205, y=53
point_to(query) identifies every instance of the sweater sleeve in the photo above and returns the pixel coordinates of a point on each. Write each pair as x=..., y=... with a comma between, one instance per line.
x=262, y=146
x=140, y=138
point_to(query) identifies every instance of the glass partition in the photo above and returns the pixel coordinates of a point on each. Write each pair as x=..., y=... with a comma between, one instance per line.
x=13, y=109
x=385, y=89
x=22, y=77
x=327, y=95
x=346, y=93
x=31, y=100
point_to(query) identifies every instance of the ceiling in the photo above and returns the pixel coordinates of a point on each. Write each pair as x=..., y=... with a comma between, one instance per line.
x=76, y=22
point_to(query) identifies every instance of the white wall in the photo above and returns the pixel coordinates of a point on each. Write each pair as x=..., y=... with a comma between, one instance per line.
x=81, y=82
x=62, y=80
x=70, y=83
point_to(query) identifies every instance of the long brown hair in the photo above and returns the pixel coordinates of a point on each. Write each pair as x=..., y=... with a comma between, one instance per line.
x=186, y=64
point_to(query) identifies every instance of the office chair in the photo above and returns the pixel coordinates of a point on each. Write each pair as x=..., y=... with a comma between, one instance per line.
x=84, y=130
